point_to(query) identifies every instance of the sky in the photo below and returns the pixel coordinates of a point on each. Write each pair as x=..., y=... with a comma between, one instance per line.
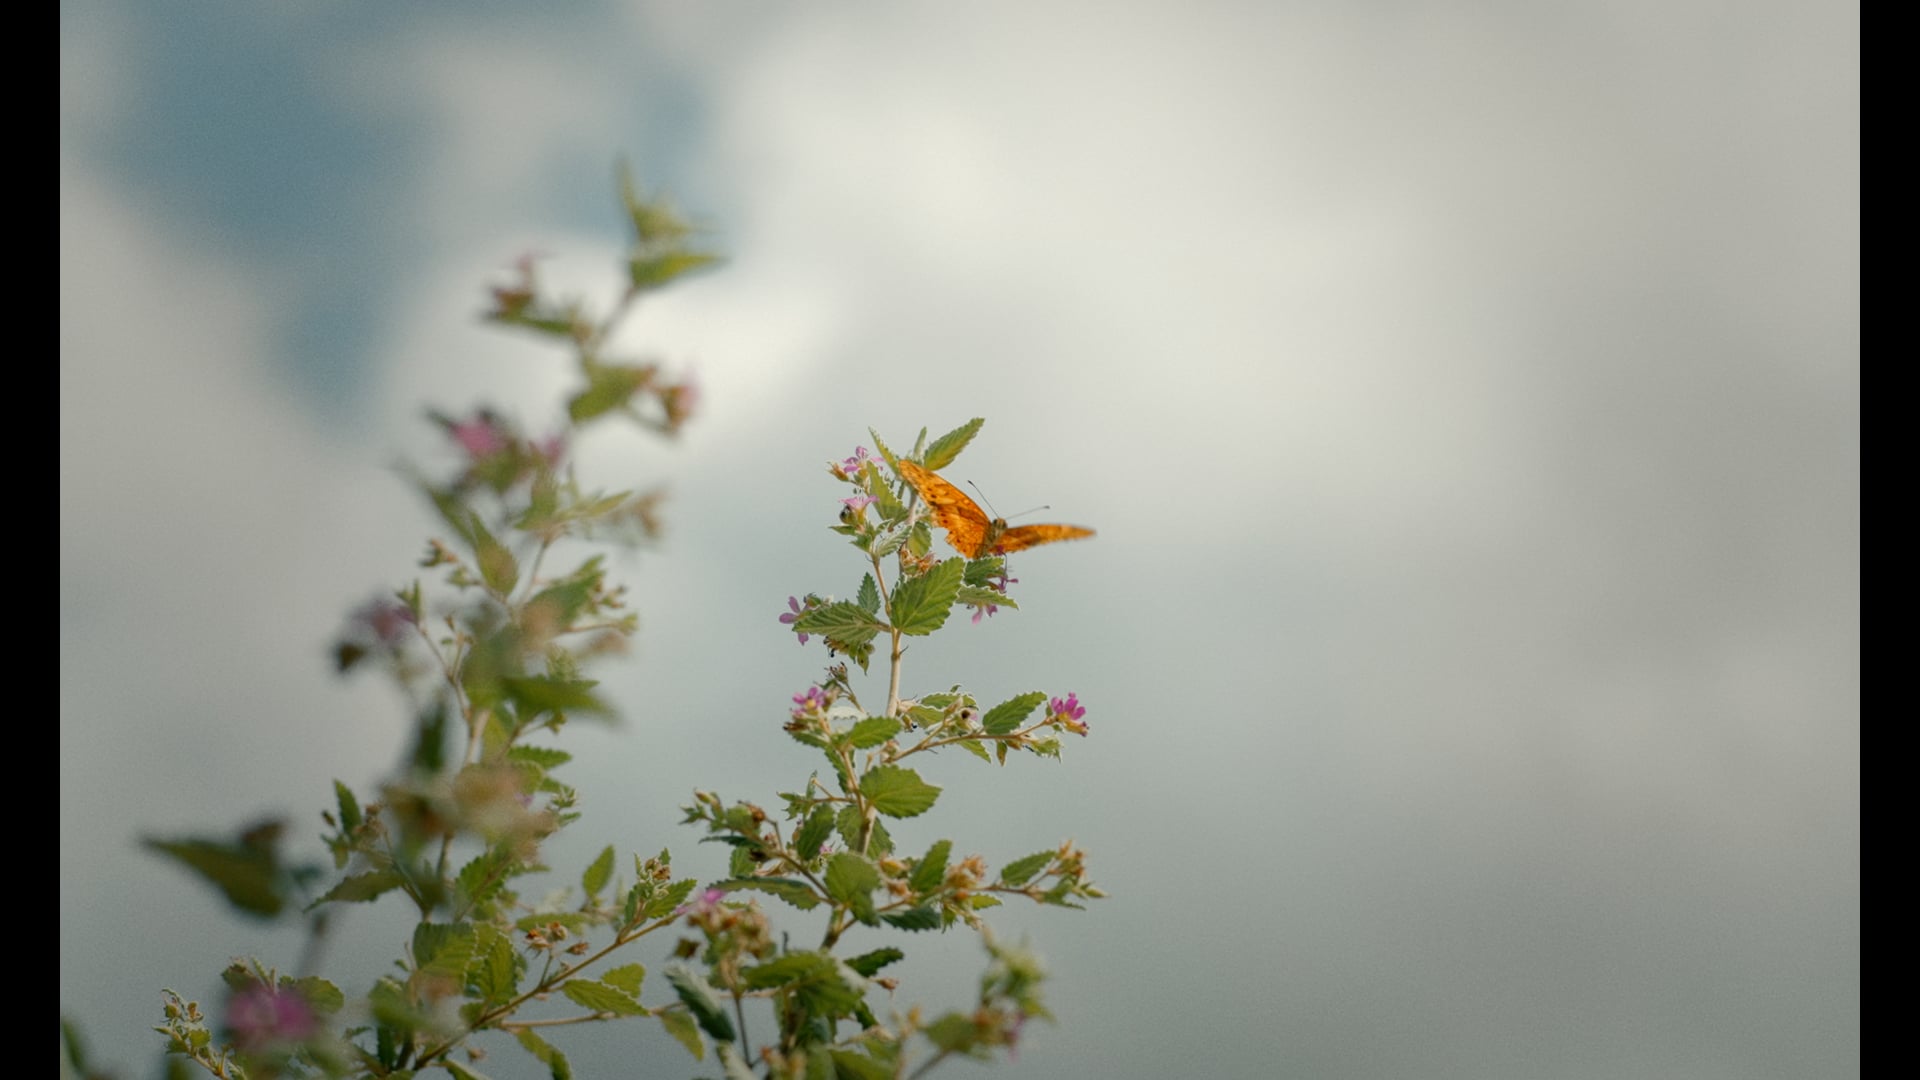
x=1466, y=397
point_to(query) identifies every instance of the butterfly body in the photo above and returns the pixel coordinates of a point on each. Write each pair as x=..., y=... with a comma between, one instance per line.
x=971, y=532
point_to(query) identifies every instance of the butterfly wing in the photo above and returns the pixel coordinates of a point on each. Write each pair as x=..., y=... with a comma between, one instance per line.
x=966, y=524
x=1026, y=536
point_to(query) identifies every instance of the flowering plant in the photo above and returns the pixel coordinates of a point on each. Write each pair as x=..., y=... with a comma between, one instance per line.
x=492, y=661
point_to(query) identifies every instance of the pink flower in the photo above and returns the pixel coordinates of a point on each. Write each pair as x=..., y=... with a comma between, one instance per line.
x=793, y=615
x=703, y=903
x=260, y=1017
x=858, y=502
x=851, y=468
x=812, y=703
x=480, y=436
x=388, y=620
x=1067, y=712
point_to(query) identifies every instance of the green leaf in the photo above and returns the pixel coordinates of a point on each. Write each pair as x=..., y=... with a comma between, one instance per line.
x=853, y=1065
x=793, y=891
x=953, y=1033
x=919, y=918
x=871, y=732
x=546, y=1054
x=459, y=1071
x=349, y=807
x=814, y=832
x=495, y=977
x=599, y=873
x=869, y=595
x=948, y=446
x=851, y=880
x=931, y=870
x=1020, y=870
x=444, y=949
x=868, y=963
x=655, y=271
x=602, y=998
x=681, y=1026
x=546, y=757
x=248, y=871
x=669, y=899
x=627, y=977
x=1006, y=717
x=609, y=387
x=357, y=888
x=498, y=568
x=842, y=621
x=921, y=605
x=540, y=693
x=981, y=596
x=485, y=875
x=897, y=791
x=783, y=970
x=701, y=1002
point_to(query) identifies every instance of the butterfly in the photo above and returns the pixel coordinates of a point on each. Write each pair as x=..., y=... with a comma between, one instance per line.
x=969, y=529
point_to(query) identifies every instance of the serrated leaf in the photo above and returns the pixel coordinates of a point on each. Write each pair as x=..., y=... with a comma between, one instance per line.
x=682, y=1027
x=545, y=1053
x=921, y=605
x=814, y=832
x=444, y=949
x=981, y=596
x=602, y=998
x=484, y=876
x=783, y=970
x=868, y=963
x=948, y=446
x=652, y=272
x=248, y=872
x=851, y=880
x=701, y=1002
x=853, y=1065
x=871, y=732
x=793, y=891
x=498, y=568
x=1020, y=870
x=919, y=918
x=541, y=693
x=842, y=621
x=931, y=870
x=669, y=899
x=546, y=757
x=973, y=747
x=358, y=888
x=1007, y=716
x=609, y=387
x=869, y=596
x=317, y=992
x=599, y=873
x=627, y=977
x=349, y=807
x=897, y=791
x=495, y=975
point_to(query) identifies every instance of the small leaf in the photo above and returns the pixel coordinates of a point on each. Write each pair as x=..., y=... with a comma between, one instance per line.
x=814, y=832
x=498, y=568
x=669, y=899
x=853, y=1065
x=920, y=918
x=653, y=272
x=627, y=977
x=869, y=595
x=841, y=620
x=793, y=891
x=1020, y=870
x=871, y=732
x=539, y=693
x=602, y=998
x=1006, y=717
x=851, y=880
x=248, y=872
x=897, y=791
x=599, y=873
x=931, y=870
x=681, y=1026
x=868, y=963
x=349, y=807
x=948, y=446
x=358, y=888
x=921, y=605
x=546, y=1054
x=701, y=1002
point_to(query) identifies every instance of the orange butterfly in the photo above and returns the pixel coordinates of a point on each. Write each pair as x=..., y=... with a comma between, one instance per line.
x=968, y=528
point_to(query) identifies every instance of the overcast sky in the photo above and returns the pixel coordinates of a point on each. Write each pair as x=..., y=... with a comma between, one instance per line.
x=1466, y=396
